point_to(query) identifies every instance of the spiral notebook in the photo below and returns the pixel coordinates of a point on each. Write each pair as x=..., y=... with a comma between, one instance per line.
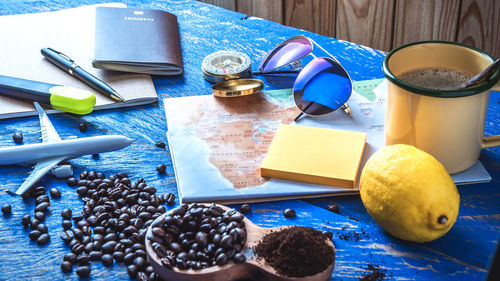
x=27, y=34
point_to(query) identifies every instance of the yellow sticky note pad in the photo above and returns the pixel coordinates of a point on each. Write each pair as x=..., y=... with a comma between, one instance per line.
x=315, y=155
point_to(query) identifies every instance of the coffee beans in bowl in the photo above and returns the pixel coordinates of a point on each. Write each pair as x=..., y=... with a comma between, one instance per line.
x=198, y=236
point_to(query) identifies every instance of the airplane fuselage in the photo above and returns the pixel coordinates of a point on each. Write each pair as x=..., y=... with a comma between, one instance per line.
x=71, y=148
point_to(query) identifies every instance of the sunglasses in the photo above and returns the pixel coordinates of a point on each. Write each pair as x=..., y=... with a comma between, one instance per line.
x=321, y=87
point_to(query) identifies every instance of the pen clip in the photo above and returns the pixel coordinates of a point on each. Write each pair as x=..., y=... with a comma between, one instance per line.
x=61, y=54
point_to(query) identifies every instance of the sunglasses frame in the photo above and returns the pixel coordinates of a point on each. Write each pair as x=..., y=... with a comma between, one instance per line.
x=278, y=47
x=345, y=107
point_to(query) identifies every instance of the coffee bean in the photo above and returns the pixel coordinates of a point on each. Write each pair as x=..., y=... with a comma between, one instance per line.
x=160, y=144
x=226, y=241
x=67, y=236
x=138, y=246
x=42, y=198
x=66, y=266
x=82, y=126
x=78, y=248
x=34, y=223
x=72, y=181
x=89, y=247
x=43, y=239
x=83, y=271
x=25, y=221
x=95, y=255
x=77, y=218
x=333, y=208
x=161, y=168
x=81, y=224
x=66, y=224
x=140, y=253
x=40, y=216
x=66, y=214
x=327, y=234
x=118, y=256
x=83, y=259
x=221, y=259
x=107, y=260
x=34, y=234
x=6, y=210
x=70, y=257
x=289, y=213
x=78, y=233
x=38, y=191
x=42, y=207
x=140, y=263
x=42, y=228
x=129, y=258
x=17, y=137
x=145, y=216
x=82, y=190
x=55, y=193
x=245, y=208
x=108, y=247
x=132, y=271
x=239, y=258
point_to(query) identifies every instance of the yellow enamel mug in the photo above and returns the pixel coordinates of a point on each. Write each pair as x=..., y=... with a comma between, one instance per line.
x=448, y=124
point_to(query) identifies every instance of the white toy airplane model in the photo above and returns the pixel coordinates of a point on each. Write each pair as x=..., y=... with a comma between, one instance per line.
x=53, y=150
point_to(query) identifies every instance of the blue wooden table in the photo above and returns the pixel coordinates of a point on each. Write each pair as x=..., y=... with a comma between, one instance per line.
x=463, y=254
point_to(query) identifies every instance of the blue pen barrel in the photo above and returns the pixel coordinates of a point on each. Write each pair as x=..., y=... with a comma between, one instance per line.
x=25, y=89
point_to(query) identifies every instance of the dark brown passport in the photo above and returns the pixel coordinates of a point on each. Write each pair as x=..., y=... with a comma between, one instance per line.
x=137, y=40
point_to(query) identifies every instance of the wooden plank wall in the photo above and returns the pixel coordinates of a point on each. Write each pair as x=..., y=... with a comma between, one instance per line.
x=384, y=24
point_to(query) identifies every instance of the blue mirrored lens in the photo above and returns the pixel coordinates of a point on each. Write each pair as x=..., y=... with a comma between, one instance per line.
x=321, y=87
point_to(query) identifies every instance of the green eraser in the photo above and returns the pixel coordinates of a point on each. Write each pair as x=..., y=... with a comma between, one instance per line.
x=72, y=100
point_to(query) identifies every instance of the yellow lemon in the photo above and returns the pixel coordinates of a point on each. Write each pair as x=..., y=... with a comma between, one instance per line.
x=409, y=193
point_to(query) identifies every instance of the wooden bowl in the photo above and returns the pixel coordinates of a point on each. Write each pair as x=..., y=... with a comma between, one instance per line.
x=252, y=269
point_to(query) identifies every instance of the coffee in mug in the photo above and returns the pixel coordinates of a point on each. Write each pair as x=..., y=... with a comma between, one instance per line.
x=437, y=78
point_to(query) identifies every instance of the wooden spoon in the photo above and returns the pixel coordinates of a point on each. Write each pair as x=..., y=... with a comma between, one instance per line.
x=483, y=76
x=252, y=269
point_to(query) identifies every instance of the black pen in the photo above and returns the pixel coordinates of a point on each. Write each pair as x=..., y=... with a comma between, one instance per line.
x=68, y=65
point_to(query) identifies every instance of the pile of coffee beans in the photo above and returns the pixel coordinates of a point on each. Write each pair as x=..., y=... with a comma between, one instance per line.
x=197, y=236
x=39, y=231
x=112, y=224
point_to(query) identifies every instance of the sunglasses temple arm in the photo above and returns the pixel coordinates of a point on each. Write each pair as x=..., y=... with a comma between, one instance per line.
x=330, y=55
x=302, y=111
x=276, y=72
x=345, y=107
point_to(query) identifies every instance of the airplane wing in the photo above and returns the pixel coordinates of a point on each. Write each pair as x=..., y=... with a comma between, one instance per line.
x=49, y=133
x=41, y=168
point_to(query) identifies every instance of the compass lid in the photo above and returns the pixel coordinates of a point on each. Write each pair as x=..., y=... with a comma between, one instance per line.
x=237, y=88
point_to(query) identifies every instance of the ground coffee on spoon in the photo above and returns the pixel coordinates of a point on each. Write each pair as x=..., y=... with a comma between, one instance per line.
x=296, y=251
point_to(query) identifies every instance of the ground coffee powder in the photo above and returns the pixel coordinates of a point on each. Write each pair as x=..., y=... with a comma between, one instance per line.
x=296, y=251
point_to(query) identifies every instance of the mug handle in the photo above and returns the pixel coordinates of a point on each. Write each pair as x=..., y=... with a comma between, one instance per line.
x=493, y=140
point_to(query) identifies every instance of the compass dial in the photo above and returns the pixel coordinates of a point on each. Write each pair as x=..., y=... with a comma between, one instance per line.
x=226, y=65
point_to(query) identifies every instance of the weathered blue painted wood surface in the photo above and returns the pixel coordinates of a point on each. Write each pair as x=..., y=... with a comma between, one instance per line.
x=463, y=254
